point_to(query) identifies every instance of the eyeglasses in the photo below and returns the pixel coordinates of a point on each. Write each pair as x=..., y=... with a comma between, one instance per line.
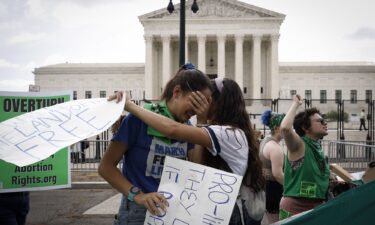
x=320, y=120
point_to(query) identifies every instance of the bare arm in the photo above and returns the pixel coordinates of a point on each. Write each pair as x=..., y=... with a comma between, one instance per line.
x=197, y=155
x=170, y=128
x=277, y=161
x=292, y=140
x=108, y=167
x=109, y=171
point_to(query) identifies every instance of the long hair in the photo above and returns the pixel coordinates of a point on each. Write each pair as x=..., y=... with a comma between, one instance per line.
x=229, y=108
x=189, y=78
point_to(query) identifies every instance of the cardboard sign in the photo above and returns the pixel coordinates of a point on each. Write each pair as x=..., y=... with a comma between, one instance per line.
x=36, y=135
x=51, y=173
x=341, y=172
x=196, y=194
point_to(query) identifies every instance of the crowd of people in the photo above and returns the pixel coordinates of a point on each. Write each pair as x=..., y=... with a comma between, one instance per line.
x=294, y=180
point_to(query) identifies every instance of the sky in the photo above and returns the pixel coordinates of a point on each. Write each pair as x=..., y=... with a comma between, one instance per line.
x=36, y=33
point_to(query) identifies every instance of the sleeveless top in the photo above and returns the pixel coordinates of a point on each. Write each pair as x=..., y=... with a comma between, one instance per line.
x=266, y=163
x=310, y=178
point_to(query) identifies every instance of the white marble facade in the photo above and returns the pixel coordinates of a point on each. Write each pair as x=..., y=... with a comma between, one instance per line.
x=96, y=79
x=225, y=38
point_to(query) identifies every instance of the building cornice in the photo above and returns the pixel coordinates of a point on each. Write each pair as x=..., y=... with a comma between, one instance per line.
x=219, y=9
x=327, y=67
x=91, y=68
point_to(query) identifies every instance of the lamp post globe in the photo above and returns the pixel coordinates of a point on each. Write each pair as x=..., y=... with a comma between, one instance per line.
x=194, y=8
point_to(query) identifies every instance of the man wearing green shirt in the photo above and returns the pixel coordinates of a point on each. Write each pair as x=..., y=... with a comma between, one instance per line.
x=306, y=173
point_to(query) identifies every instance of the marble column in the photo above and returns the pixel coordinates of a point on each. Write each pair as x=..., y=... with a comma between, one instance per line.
x=275, y=86
x=149, y=79
x=239, y=59
x=256, y=69
x=221, y=55
x=166, y=59
x=202, y=52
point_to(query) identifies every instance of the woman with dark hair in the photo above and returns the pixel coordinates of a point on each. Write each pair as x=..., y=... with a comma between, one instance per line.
x=142, y=147
x=227, y=135
x=272, y=157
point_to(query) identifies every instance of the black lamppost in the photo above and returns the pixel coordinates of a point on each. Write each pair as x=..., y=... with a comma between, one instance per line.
x=194, y=8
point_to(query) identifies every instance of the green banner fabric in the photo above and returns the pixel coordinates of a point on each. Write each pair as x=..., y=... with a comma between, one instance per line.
x=51, y=173
x=353, y=207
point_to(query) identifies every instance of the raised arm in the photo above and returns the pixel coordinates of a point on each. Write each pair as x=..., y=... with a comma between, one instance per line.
x=292, y=140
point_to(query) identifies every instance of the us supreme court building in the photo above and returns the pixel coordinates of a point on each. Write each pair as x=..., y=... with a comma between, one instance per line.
x=225, y=38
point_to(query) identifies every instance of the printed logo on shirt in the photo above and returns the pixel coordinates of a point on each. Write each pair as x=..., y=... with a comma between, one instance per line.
x=308, y=189
x=157, y=153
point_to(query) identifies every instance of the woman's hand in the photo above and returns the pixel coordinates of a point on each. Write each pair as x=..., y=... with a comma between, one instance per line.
x=201, y=105
x=155, y=202
x=117, y=96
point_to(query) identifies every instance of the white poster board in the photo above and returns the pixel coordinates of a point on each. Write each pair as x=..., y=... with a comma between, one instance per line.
x=196, y=194
x=34, y=136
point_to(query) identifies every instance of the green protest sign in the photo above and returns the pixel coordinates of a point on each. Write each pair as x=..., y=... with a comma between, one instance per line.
x=51, y=173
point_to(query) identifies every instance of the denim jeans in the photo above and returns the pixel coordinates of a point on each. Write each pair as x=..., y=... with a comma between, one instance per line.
x=14, y=208
x=130, y=213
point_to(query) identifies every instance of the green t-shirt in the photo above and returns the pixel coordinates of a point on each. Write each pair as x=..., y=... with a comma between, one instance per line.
x=311, y=178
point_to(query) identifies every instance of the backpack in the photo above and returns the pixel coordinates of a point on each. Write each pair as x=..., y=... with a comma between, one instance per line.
x=254, y=202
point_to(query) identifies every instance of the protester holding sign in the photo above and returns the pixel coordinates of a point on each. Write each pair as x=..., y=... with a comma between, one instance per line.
x=144, y=148
x=229, y=137
x=306, y=173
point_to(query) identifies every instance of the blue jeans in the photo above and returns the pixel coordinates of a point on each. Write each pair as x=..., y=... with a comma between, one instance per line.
x=14, y=208
x=130, y=213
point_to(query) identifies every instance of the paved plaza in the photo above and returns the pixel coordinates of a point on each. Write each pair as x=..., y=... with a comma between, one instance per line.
x=73, y=207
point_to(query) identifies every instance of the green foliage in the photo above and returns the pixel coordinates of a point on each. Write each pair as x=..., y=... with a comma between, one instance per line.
x=333, y=116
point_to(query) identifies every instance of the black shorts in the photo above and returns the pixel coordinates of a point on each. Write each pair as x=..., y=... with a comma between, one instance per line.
x=274, y=192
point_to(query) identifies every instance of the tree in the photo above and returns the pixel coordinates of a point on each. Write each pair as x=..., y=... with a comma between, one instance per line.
x=333, y=116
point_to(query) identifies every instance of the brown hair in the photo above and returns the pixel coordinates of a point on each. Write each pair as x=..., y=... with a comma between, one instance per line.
x=189, y=78
x=302, y=120
x=228, y=108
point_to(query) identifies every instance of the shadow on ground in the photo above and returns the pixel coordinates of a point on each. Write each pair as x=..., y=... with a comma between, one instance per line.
x=66, y=206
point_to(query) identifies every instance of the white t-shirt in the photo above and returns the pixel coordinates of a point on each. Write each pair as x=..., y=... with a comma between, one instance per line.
x=231, y=144
x=363, y=115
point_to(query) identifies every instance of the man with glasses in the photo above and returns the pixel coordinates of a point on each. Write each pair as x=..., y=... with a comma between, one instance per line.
x=306, y=173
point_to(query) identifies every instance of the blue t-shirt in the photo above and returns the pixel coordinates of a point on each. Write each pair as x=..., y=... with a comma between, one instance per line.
x=144, y=160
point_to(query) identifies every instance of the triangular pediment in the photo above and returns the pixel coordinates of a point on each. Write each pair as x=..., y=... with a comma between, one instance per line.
x=215, y=9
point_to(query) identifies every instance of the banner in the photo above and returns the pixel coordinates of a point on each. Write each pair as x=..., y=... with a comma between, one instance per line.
x=51, y=173
x=196, y=194
x=353, y=207
x=36, y=135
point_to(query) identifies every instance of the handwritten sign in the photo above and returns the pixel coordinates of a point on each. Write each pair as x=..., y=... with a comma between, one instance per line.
x=196, y=194
x=36, y=135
